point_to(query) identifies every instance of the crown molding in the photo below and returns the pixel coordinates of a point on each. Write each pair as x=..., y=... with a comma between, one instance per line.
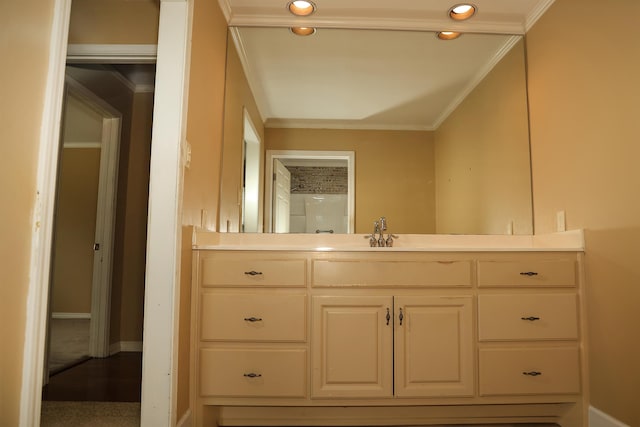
x=338, y=124
x=413, y=24
x=479, y=77
x=226, y=9
x=537, y=13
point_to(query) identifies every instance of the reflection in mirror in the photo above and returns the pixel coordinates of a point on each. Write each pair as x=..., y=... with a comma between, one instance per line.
x=438, y=128
x=311, y=191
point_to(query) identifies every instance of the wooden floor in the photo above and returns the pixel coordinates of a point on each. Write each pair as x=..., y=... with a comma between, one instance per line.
x=113, y=379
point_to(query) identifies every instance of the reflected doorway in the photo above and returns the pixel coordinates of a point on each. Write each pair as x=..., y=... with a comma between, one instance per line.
x=320, y=191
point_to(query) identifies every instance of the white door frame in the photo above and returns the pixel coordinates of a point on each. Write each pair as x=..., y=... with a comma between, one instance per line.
x=105, y=217
x=163, y=237
x=349, y=156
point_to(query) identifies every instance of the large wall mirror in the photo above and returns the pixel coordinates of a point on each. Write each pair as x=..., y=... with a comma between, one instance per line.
x=438, y=129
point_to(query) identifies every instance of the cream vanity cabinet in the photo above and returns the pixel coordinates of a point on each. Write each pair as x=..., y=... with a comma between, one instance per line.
x=428, y=337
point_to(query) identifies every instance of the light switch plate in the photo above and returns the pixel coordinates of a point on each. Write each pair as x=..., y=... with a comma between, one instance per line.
x=561, y=223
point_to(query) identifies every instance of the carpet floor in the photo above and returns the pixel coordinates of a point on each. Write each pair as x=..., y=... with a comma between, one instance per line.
x=90, y=414
x=69, y=343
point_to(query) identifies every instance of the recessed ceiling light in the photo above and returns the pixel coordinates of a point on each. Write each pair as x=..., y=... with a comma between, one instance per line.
x=448, y=35
x=301, y=7
x=303, y=31
x=460, y=12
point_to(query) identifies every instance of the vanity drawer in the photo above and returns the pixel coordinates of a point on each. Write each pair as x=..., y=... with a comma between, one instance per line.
x=391, y=273
x=527, y=317
x=529, y=371
x=531, y=273
x=253, y=317
x=242, y=270
x=253, y=372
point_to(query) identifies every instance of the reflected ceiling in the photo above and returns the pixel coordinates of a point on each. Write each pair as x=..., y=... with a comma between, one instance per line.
x=366, y=79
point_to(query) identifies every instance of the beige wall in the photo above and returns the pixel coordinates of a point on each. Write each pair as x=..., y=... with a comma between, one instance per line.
x=114, y=21
x=202, y=178
x=75, y=230
x=483, y=182
x=238, y=97
x=75, y=223
x=25, y=28
x=206, y=110
x=584, y=63
x=407, y=200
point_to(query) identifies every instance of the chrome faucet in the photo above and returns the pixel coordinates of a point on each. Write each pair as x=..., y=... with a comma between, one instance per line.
x=379, y=227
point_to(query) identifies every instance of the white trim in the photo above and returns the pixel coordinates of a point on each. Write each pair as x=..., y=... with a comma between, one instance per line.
x=117, y=347
x=112, y=53
x=338, y=124
x=105, y=230
x=159, y=367
x=72, y=145
x=62, y=315
x=536, y=13
x=226, y=9
x=349, y=156
x=283, y=20
x=597, y=418
x=185, y=420
x=44, y=205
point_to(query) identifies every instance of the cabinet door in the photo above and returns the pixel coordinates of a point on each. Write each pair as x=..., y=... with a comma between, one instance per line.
x=352, y=346
x=433, y=346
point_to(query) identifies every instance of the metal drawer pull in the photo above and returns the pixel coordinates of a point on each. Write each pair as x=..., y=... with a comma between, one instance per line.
x=529, y=273
x=253, y=273
x=401, y=317
x=253, y=319
x=530, y=318
x=252, y=375
x=388, y=316
x=532, y=373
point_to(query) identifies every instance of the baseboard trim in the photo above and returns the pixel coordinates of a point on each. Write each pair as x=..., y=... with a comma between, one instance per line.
x=62, y=315
x=119, y=346
x=597, y=418
x=185, y=420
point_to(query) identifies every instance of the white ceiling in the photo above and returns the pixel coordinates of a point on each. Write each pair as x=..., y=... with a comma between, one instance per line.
x=371, y=79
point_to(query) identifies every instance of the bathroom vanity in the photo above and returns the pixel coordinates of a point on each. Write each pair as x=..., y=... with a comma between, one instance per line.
x=324, y=330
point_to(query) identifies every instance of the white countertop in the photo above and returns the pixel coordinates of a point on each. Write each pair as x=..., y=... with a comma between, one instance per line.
x=565, y=241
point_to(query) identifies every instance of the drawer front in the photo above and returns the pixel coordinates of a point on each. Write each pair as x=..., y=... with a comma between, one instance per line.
x=253, y=372
x=527, y=317
x=223, y=270
x=531, y=273
x=253, y=317
x=529, y=371
x=391, y=273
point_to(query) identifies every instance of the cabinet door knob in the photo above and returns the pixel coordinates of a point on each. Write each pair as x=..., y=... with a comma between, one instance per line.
x=530, y=318
x=253, y=273
x=388, y=317
x=253, y=319
x=252, y=375
x=529, y=273
x=532, y=373
x=401, y=317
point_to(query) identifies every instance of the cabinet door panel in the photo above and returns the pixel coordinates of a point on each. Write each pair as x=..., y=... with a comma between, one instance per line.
x=352, y=347
x=433, y=346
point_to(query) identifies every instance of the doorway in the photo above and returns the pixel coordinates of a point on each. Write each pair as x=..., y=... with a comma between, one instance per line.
x=124, y=93
x=310, y=191
x=83, y=232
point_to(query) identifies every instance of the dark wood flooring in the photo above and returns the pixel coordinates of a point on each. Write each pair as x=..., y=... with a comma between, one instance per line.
x=113, y=379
